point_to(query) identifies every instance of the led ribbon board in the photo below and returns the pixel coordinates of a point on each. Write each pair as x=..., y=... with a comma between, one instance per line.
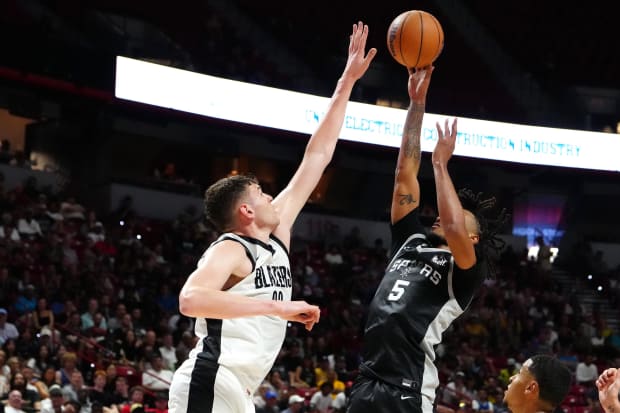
x=215, y=97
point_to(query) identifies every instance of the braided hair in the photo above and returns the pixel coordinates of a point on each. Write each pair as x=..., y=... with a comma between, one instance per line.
x=489, y=244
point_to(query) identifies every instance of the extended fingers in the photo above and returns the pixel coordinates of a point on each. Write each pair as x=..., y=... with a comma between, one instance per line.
x=359, y=36
x=355, y=37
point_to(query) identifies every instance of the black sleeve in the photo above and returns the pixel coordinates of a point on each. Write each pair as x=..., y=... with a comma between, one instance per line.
x=466, y=282
x=405, y=227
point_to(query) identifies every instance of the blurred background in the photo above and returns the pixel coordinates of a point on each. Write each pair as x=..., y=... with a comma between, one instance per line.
x=115, y=187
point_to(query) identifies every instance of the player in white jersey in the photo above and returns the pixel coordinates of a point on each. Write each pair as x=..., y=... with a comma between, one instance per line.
x=240, y=292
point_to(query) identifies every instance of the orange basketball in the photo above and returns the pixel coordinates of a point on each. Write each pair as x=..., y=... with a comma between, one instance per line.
x=415, y=39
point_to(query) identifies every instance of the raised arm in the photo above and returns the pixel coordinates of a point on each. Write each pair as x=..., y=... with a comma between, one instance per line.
x=322, y=144
x=202, y=296
x=449, y=206
x=406, y=194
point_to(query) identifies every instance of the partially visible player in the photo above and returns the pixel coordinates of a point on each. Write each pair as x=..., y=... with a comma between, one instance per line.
x=431, y=277
x=541, y=385
x=240, y=293
x=608, y=385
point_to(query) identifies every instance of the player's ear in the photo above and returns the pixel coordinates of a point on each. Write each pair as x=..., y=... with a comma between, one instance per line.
x=245, y=212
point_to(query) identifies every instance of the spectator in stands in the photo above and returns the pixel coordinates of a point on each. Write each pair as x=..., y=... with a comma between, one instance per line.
x=54, y=213
x=167, y=301
x=136, y=399
x=48, y=379
x=71, y=406
x=54, y=403
x=28, y=226
x=543, y=258
x=306, y=375
x=88, y=318
x=161, y=404
x=322, y=399
x=456, y=390
x=31, y=380
x=96, y=233
x=157, y=378
x=186, y=343
x=12, y=362
x=168, y=351
x=114, y=322
x=97, y=392
x=68, y=367
x=71, y=209
x=271, y=403
x=320, y=371
x=72, y=389
x=295, y=404
x=332, y=377
x=7, y=330
x=333, y=256
x=5, y=386
x=30, y=398
x=481, y=402
x=339, y=403
x=27, y=300
x=120, y=395
x=508, y=371
x=15, y=403
x=43, y=316
x=8, y=231
x=586, y=372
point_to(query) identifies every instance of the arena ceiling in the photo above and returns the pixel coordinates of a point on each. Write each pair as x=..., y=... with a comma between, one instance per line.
x=560, y=47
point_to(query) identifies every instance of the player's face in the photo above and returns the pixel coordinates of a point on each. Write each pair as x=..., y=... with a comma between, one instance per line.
x=470, y=223
x=514, y=396
x=265, y=213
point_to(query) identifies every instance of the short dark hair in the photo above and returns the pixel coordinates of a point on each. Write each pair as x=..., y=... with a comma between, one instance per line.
x=553, y=378
x=222, y=196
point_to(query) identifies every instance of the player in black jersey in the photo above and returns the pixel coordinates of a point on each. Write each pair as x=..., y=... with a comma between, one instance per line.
x=429, y=281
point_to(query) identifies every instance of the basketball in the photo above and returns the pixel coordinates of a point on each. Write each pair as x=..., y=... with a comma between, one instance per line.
x=415, y=39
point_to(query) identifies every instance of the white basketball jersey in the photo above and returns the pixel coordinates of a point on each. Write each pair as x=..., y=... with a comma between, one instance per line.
x=248, y=346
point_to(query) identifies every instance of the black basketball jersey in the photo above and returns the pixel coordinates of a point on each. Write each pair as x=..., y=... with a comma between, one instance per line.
x=421, y=293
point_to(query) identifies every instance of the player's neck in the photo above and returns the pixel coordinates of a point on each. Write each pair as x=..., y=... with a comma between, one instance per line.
x=256, y=232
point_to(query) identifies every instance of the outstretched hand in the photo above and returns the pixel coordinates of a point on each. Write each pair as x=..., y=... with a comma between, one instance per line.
x=608, y=385
x=358, y=61
x=301, y=312
x=446, y=141
x=419, y=79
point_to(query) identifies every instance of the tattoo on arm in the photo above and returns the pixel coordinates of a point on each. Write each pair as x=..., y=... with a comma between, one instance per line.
x=412, y=131
x=610, y=409
x=406, y=199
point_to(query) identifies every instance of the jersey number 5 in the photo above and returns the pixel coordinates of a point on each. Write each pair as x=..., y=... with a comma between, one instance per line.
x=398, y=290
